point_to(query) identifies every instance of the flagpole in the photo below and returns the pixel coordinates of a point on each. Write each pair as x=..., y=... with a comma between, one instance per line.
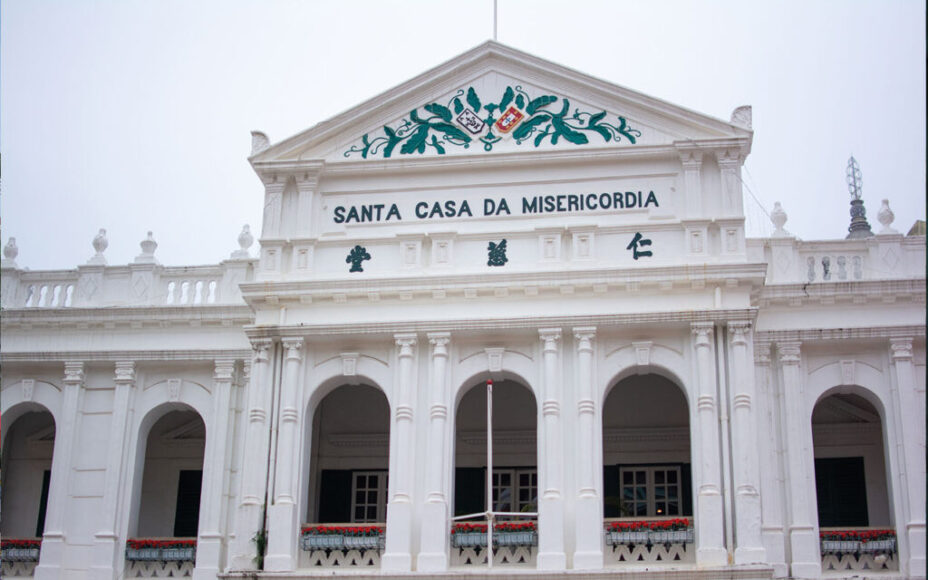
x=490, y=466
x=494, y=20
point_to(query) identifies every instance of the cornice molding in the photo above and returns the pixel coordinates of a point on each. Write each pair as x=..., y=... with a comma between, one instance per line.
x=256, y=293
x=509, y=323
x=816, y=291
x=133, y=316
x=122, y=355
x=818, y=334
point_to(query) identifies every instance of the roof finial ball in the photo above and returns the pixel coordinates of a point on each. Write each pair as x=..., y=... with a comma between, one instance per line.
x=778, y=217
x=99, y=245
x=886, y=218
x=10, y=251
x=860, y=227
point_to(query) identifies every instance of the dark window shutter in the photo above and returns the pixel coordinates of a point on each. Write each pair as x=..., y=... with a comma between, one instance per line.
x=187, y=512
x=43, y=504
x=611, y=501
x=469, y=490
x=686, y=490
x=841, y=487
x=335, y=496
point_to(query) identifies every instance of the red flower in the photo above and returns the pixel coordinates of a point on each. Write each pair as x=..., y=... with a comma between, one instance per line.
x=20, y=543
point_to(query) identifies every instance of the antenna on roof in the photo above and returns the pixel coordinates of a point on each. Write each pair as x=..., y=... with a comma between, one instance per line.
x=494, y=20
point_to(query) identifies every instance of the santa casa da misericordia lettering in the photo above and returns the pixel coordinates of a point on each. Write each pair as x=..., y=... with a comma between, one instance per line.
x=490, y=206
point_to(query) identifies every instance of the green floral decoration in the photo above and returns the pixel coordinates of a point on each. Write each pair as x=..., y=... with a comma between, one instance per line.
x=436, y=128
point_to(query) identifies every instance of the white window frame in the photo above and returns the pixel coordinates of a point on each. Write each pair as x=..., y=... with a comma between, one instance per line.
x=650, y=486
x=514, y=489
x=381, y=496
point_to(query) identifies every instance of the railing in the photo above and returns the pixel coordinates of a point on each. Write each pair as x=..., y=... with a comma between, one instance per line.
x=160, y=557
x=834, y=266
x=858, y=549
x=138, y=285
x=665, y=540
x=341, y=545
x=515, y=543
x=19, y=557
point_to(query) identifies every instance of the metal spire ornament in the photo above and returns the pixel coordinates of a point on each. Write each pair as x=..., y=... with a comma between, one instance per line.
x=860, y=227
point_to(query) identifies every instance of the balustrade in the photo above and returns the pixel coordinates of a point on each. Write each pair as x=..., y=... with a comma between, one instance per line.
x=858, y=549
x=657, y=541
x=341, y=545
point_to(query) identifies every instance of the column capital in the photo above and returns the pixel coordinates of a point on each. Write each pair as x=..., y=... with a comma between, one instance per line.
x=246, y=371
x=584, y=336
x=739, y=330
x=73, y=372
x=223, y=369
x=729, y=158
x=125, y=372
x=439, y=342
x=789, y=352
x=405, y=341
x=690, y=157
x=762, y=353
x=260, y=346
x=294, y=348
x=550, y=336
x=703, y=332
x=901, y=347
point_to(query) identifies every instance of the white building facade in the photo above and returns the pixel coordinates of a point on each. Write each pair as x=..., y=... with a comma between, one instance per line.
x=321, y=408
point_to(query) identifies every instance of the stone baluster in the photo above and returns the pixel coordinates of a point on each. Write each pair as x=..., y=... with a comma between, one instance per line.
x=433, y=554
x=398, y=552
x=210, y=540
x=710, y=544
x=107, y=548
x=745, y=470
x=254, y=462
x=283, y=524
x=551, y=555
x=51, y=560
x=806, y=559
x=911, y=404
x=589, y=550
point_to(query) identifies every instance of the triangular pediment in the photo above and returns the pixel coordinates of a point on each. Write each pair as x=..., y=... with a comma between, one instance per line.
x=494, y=99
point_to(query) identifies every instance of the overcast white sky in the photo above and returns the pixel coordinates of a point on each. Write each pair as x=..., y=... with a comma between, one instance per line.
x=135, y=115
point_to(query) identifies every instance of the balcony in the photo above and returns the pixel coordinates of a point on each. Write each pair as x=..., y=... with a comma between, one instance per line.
x=858, y=549
x=652, y=541
x=341, y=545
x=160, y=557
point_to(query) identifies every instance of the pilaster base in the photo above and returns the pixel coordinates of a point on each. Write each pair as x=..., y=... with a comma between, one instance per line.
x=711, y=557
x=243, y=548
x=749, y=555
x=551, y=554
x=589, y=546
x=916, y=564
x=209, y=557
x=774, y=545
x=807, y=561
x=104, y=555
x=397, y=554
x=50, y=557
x=282, y=533
x=433, y=542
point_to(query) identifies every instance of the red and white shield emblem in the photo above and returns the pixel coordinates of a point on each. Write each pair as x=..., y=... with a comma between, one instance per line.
x=508, y=121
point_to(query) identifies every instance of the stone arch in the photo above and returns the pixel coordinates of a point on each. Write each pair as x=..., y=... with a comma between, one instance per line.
x=660, y=360
x=28, y=460
x=328, y=379
x=20, y=398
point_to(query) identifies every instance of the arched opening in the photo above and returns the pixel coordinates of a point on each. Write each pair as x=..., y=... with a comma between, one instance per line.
x=515, y=457
x=646, y=450
x=349, y=457
x=27, y=463
x=850, y=467
x=171, y=478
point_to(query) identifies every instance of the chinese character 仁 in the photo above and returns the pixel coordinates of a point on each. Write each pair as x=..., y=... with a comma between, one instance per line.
x=638, y=240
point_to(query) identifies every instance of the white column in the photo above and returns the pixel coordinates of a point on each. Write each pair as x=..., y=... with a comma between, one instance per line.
x=770, y=453
x=210, y=534
x=551, y=555
x=283, y=527
x=589, y=524
x=433, y=543
x=51, y=557
x=107, y=546
x=254, y=462
x=912, y=418
x=803, y=538
x=397, y=555
x=749, y=547
x=691, y=159
x=710, y=543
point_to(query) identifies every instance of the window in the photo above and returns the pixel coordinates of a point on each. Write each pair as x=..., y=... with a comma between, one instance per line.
x=841, y=489
x=650, y=491
x=515, y=490
x=187, y=511
x=369, y=496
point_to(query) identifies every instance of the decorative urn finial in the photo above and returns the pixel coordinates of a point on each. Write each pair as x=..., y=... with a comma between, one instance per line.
x=778, y=217
x=860, y=227
x=245, y=239
x=100, y=244
x=149, y=245
x=886, y=218
x=10, y=251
